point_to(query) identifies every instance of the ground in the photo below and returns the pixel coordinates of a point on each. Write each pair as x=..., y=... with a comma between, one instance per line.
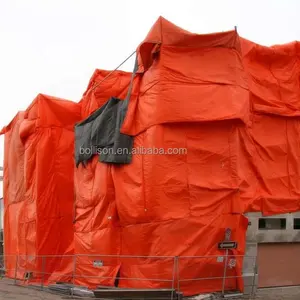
x=8, y=291
x=286, y=293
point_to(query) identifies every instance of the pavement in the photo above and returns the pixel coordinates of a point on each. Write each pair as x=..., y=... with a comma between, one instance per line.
x=9, y=291
x=284, y=293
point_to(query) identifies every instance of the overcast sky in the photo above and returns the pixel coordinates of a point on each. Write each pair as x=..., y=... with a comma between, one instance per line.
x=53, y=46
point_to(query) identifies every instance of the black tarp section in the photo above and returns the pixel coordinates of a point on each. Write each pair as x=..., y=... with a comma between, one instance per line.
x=100, y=134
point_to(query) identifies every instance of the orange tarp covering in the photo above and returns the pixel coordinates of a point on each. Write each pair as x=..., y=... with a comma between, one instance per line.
x=96, y=228
x=38, y=187
x=273, y=148
x=103, y=84
x=161, y=205
x=232, y=105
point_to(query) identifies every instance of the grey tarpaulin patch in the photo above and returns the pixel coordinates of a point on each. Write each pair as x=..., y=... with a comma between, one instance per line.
x=100, y=132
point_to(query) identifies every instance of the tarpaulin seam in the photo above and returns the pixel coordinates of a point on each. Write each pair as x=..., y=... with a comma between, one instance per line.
x=58, y=134
x=154, y=83
x=33, y=157
x=143, y=182
x=193, y=47
x=37, y=187
x=67, y=128
x=37, y=169
x=92, y=194
x=112, y=200
x=161, y=30
x=89, y=92
x=278, y=82
x=233, y=132
x=199, y=83
x=188, y=176
x=233, y=178
x=287, y=156
x=162, y=221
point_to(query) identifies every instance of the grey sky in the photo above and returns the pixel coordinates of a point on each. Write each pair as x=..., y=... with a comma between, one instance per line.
x=53, y=46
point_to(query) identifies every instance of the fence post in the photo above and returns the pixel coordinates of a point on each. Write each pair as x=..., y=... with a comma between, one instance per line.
x=177, y=273
x=25, y=273
x=224, y=275
x=16, y=269
x=254, y=277
x=43, y=271
x=73, y=277
x=173, y=277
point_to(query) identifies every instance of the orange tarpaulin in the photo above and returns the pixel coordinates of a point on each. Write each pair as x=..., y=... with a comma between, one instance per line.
x=38, y=187
x=231, y=106
x=273, y=148
x=96, y=217
x=103, y=84
x=199, y=93
x=137, y=208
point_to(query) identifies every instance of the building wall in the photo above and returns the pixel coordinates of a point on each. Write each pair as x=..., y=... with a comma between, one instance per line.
x=257, y=236
x=1, y=211
x=1, y=225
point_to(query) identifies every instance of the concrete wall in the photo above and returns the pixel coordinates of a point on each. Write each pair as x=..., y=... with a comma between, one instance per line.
x=1, y=213
x=255, y=236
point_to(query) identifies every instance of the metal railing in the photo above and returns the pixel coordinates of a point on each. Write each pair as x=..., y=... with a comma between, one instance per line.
x=193, y=274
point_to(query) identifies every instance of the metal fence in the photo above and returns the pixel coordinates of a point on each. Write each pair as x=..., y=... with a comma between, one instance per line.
x=200, y=274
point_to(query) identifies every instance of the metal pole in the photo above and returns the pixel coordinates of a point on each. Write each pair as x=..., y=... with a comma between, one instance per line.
x=16, y=269
x=178, y=278
x=173, y=276
x=26, y=275
x=254, y=277
x=43, y=271
x=74, y=272
x=224, y=276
